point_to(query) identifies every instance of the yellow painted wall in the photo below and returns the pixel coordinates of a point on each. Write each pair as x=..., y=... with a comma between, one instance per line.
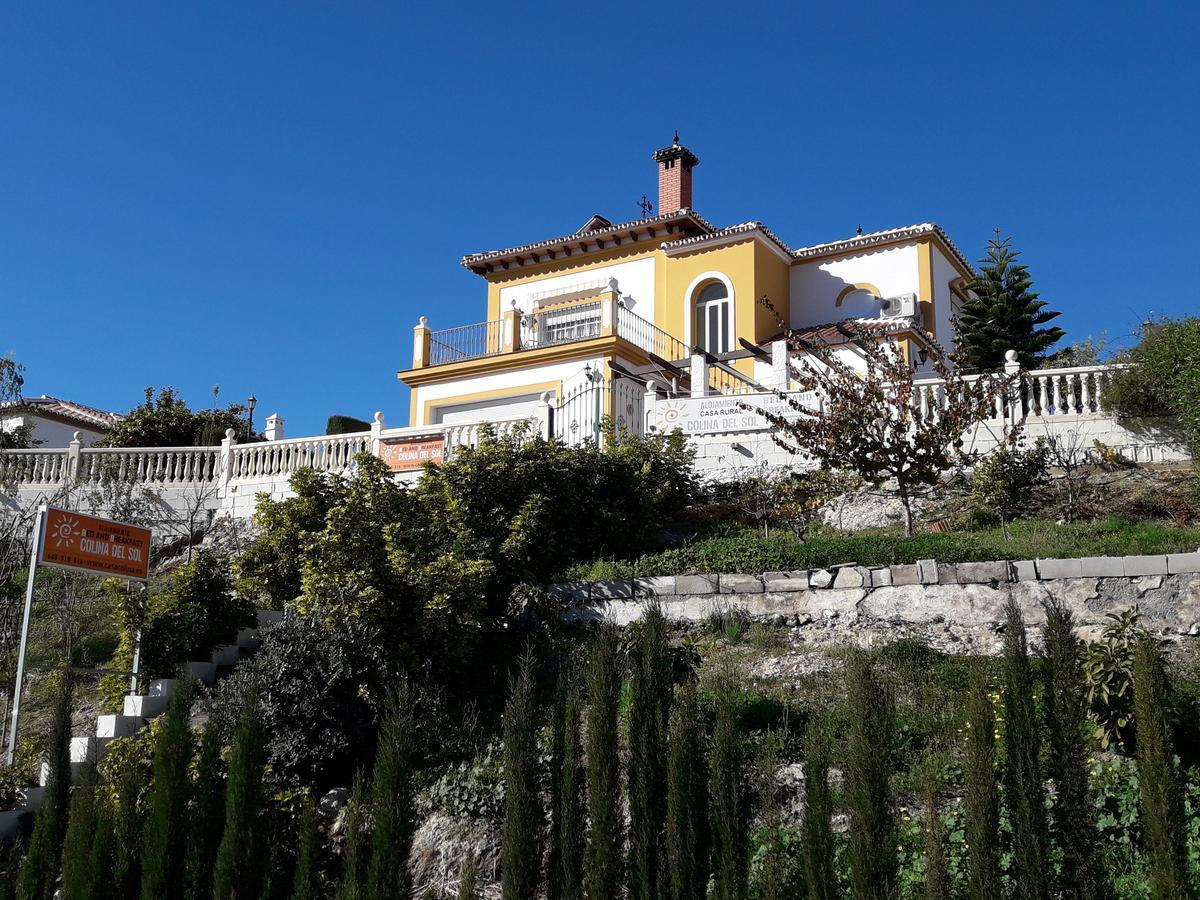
x=771, y=279
x=675, y=273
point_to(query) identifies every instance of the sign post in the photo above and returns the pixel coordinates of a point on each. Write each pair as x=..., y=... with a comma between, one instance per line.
x=68, y=540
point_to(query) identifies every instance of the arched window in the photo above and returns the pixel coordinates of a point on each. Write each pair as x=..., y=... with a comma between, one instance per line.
x=714, y=319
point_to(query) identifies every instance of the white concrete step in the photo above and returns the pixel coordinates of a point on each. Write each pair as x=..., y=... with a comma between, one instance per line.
x=225, y=655
x=144, y=706
x=88, y=747
x=114, y=726
x=202, y=671
x=269, y=617
x=248, y=639
x=162, y=687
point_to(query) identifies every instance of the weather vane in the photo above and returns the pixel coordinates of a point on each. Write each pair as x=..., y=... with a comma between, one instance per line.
x=646, y=205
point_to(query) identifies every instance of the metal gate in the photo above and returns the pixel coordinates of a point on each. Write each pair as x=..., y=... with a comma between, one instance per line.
x=582, y=413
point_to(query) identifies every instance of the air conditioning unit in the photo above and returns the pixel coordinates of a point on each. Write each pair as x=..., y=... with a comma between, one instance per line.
x=896, y=307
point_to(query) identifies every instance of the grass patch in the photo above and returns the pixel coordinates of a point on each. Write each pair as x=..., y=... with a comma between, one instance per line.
x=739, y=549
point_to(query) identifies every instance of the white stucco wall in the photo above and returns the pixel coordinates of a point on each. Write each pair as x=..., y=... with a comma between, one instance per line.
x=815, y=285
x=634, y=278
x=513, y=403
x=50, y=434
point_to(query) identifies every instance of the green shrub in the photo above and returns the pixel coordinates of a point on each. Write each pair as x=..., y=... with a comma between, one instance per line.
x=1003, y=484
x=346, y=425
x=1108, y=678
x=1163, y=377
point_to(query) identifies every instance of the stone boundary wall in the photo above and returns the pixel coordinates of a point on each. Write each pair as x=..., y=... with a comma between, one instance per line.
x=961, y=603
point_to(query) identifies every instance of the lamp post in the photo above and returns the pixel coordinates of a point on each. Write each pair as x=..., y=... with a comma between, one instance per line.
x=251, y=402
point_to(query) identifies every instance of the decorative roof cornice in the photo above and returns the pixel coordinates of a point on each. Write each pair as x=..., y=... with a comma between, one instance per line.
x=571, y=244
x=77, y=413
x=875, y=238
x=716, y=237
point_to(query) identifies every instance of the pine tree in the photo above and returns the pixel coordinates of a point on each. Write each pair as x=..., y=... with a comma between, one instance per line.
x=206, y=816
x=818, y=843
x=164, y=844
x=981, y=823
x=81, y=872
x=727, y=816
x=306, y=885
x=39, y=869
x=873, y=861
x=519, y=852
x=1004, y=313
x=1066, y=724
x=1023, y=793
x=564, y=862
x=392, y=796
x=650, y=696
x=602, y=875
x=239, y=869
x=773, y=880
x=127, y=819
x=356, y=852
x=687, y=800
x=1163, y=823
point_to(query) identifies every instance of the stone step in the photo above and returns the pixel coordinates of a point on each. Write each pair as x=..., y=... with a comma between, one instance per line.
x=269, y=617
x=205, y=672
x=114, y=726
x=162, y=687
x=248, y=639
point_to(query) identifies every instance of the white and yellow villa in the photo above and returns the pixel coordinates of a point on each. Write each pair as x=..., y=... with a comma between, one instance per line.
x=617, y=305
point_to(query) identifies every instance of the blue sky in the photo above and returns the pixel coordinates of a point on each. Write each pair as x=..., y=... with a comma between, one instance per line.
x=267, y=196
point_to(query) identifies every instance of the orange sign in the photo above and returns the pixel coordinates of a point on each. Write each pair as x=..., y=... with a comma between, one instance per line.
x=74, y=541
x=410, y=454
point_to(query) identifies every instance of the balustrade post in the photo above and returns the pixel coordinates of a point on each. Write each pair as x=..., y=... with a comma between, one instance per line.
x=73, y=454
x=543, y=415
x=649, y=399
x=779, y=365
x=699, y=376
x=376, y=432
x=1013, y=367
x=510, y=331
x=227, y=446
x=421, y=334
x=608, y=312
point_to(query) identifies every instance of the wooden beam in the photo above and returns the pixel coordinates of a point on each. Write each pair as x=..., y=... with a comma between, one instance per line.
x=754, y=350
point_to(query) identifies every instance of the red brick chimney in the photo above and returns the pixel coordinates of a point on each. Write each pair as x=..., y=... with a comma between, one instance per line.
x=675, y=165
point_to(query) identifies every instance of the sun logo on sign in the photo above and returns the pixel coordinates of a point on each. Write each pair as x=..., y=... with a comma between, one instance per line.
x=671, y=413
x=64, y=532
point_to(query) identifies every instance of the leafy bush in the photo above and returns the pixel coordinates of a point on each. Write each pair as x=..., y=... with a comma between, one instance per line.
x=1003, y=483
x=1163, y=376
x=168, y=421
x=1108, y=678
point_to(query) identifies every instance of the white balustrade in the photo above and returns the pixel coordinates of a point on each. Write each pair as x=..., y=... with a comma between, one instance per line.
x=150, y=465
x=34, y=467
x=327, y=453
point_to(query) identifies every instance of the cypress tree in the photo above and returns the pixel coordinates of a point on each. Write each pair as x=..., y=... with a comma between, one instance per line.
x=356, y=855
x=1066, y=723
x=392, y=793
x=1023, y=793
x=773, y=881
x=519, y=852
x=164, y=844
x=1163, y=823
x=306, y=885
x=238, y=874
x=468, y=878
x=650, y=696
x=818, y=844
x=981, y=820
x=207, y=817
x=103, y=848
x=873, y=861
x=81, y=871
x=39, y=870
x=603, y=856
x=937, y=869
x=126, y=832
x=10, y=860
x=687, y=803
x=568, y=832
x=727, y=819
x=1004, y=313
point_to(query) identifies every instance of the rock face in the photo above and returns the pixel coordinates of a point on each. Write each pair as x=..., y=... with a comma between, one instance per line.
x=959, y=608
x=868, y=507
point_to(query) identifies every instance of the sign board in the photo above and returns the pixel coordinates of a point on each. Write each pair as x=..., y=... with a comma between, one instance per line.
x=74, y=541
x=723, y=413
x=410, y=454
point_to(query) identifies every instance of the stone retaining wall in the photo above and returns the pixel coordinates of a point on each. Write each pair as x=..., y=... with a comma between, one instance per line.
x=960, y=604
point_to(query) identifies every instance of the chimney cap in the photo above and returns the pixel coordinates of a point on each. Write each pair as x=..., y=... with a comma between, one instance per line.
x=677, y=151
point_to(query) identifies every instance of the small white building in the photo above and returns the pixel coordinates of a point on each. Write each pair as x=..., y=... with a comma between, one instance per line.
x=55, y=421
